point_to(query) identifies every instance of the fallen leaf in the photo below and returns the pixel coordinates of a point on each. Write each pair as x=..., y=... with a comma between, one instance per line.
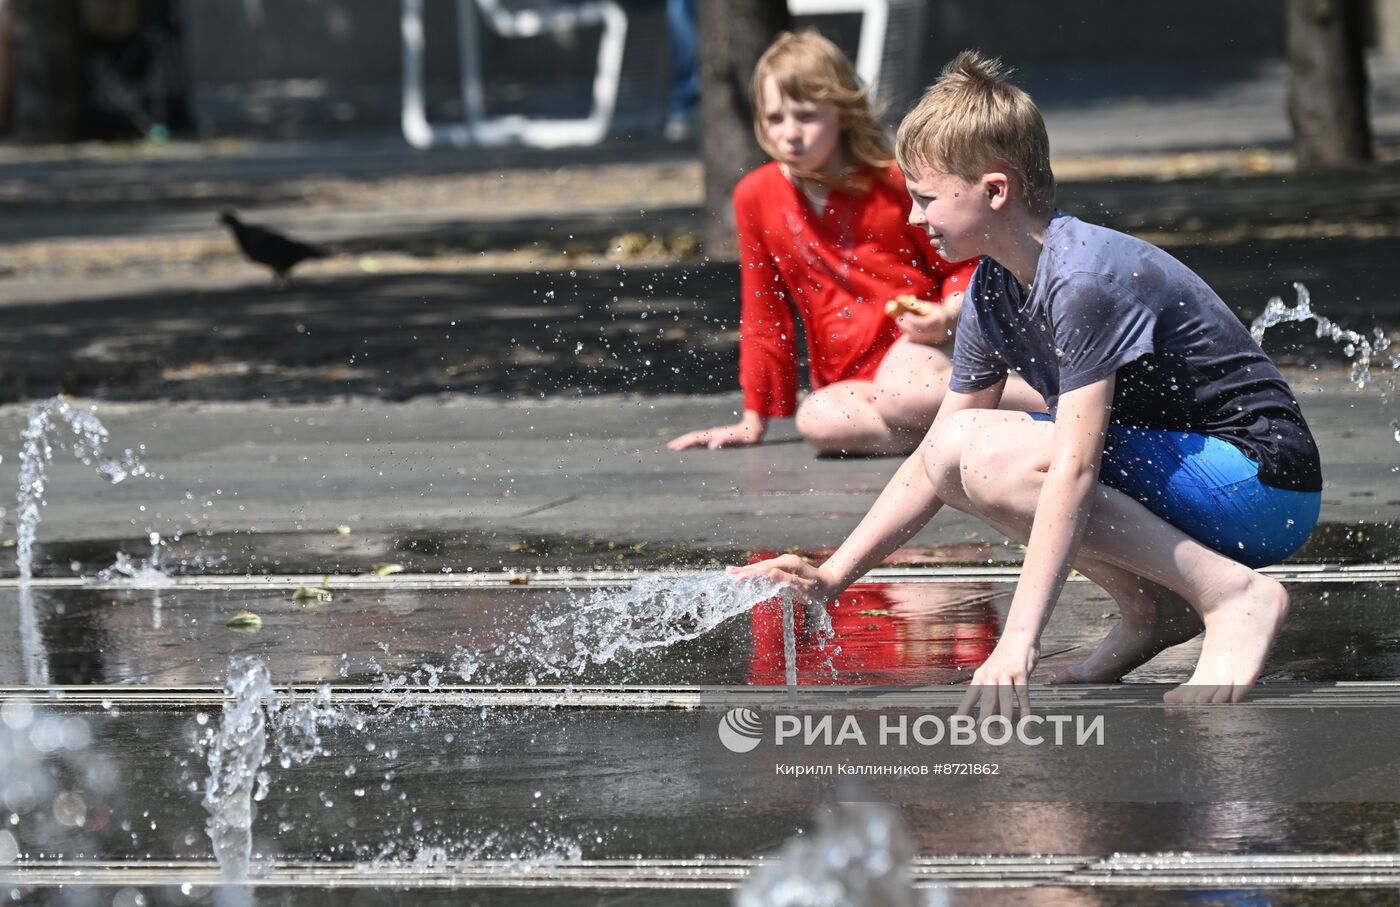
x=311, y=595
x=684, y=243
x=519, y=581
x=342, y=530
x=245, y=620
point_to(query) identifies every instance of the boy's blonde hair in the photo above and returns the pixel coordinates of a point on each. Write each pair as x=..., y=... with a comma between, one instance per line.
x=971, y=121
x=808, y=67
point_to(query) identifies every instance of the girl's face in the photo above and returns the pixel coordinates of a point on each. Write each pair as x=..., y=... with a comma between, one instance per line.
x=807, y=134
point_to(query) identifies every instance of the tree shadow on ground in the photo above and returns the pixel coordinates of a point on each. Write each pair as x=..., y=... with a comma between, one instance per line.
x=658, y=330
x=671, y=329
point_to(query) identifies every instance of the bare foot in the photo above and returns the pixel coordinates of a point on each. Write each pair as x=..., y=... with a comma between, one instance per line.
x=1130, y=644
x=1239, y=632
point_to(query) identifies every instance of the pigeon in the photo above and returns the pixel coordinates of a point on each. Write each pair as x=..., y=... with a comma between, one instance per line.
x=269, y=248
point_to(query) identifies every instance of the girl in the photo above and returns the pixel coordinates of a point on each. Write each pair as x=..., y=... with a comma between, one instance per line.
x=822, y=228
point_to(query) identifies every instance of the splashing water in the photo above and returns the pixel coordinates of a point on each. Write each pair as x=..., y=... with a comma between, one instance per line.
x=148, y=574
x=54, y=780
x=789, y=642
x=859, y=857
x=235, y=761
x=131, y=573
x=237, y=754
x=88, y=436
x=652, y=613
x=299, y=724
x=39, y=437
x=1364, y=352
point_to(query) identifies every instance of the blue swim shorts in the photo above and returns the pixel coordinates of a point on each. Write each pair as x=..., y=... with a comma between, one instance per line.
x=1210, y=490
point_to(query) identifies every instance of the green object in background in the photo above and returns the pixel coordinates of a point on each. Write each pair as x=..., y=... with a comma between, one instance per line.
x=245, y=620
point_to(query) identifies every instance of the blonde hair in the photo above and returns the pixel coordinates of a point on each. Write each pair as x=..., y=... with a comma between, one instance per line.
x=808, y=67
x=972, y=120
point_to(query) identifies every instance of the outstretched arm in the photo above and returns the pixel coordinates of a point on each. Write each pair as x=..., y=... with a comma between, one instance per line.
x=1061, y=513
x=767, y=352
x=748, y=430
x=908, y=502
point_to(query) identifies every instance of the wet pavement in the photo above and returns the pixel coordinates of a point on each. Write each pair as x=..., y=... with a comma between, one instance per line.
x=445, y=755
x=470, y=741
x=900, y=633
x=538, y=484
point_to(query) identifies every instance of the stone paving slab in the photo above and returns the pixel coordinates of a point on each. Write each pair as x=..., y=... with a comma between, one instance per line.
x=594, y=467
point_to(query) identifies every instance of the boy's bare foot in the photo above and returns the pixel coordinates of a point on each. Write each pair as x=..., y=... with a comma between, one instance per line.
x=1239, y=633
x=1132, y=643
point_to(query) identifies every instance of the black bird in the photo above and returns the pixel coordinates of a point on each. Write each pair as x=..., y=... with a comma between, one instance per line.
x=269, y=248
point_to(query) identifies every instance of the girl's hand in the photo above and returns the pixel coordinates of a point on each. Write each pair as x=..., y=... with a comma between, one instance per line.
x=740, y=434
x=934, y=329
x=1001, y=683
x=793, y=572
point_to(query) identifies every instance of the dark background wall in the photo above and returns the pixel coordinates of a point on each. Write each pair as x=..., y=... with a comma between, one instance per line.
x=293, y=66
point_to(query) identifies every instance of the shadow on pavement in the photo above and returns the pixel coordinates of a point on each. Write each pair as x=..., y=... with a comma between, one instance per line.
x=663, y=329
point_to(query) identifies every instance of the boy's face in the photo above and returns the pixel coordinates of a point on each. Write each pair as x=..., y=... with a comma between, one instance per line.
x=952, y=211
x=805, y=133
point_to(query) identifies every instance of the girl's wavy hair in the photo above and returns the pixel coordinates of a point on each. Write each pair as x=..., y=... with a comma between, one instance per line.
x=810, y=68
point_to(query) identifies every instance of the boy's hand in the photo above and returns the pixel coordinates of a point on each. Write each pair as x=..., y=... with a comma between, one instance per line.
x=793, y=572
x=743, y=433
x=1001, y=683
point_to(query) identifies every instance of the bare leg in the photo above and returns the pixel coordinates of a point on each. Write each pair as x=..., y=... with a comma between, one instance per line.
x=890, y=414
x=1154, y=619
x=1002, y=468
x=842, y=418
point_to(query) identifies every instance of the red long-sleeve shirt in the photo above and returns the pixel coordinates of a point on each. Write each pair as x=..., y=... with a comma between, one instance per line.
x=837, y=269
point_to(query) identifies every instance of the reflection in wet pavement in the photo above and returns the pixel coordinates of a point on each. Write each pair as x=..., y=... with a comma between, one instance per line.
x=890, y=633
x=429, y=788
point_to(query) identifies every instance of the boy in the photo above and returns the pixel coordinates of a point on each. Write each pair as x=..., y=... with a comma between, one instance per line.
x=1175, y=458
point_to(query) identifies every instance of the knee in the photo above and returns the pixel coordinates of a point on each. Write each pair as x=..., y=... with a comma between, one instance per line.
x=990, y=468
x=819, y=420
x=912, y=407
x=824, y=422
x=909, y=398
x=943, y=452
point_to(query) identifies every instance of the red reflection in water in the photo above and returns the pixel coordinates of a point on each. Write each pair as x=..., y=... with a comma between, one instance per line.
x=930, y=633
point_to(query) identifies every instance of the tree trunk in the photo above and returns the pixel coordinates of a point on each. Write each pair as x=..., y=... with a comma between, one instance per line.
x=1327, y=83
x=49, y=98
x=733, y=35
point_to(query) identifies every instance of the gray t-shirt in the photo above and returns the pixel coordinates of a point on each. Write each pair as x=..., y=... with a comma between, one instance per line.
x=1105, y=302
